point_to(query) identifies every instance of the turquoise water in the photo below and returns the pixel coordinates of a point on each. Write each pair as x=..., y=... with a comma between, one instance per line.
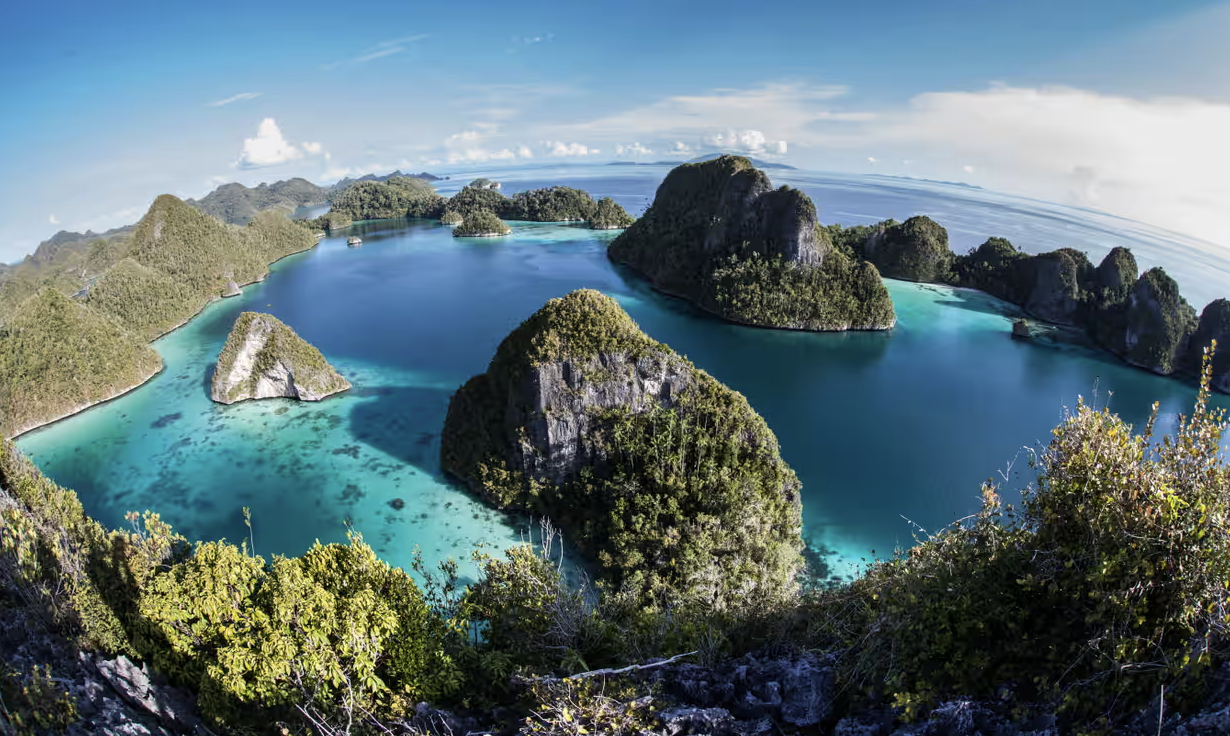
x=878, y=426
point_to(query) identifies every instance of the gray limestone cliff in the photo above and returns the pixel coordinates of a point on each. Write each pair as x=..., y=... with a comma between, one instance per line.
x=721, y=236
x=263, y=358
x=1057, y=286
x=583, y=418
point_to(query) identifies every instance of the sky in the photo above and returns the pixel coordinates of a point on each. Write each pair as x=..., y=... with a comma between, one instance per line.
x=1118, y=105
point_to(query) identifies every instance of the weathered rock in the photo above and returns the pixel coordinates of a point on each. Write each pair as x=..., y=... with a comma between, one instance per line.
x=1056, y=293
x=558, y=415
x=263, y=358
x=1118, y=270
x=1158, y=324
x=1021, y=329
x=719, y=235
x=914, y=250
x=232, y=289
x=174, y=708
x=1214, y=325
x=797, y=690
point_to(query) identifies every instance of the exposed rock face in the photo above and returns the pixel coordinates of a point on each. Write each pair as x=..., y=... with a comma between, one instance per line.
x=1021, y=329
x=1118, y=270
x=914, y=250
x=561, y=424
x=1214, y=325
x=1056, y=292
x=232, y=289
x=719, y=235
x=263, y=358
x=1158, y=324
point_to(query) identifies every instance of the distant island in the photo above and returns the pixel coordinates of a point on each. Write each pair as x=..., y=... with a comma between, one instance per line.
x=721, y=236
x=236, y=204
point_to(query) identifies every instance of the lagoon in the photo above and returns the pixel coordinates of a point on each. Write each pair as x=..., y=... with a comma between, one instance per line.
x=880, y=427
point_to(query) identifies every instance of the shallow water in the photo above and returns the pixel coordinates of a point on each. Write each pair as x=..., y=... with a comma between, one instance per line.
x=878, y=426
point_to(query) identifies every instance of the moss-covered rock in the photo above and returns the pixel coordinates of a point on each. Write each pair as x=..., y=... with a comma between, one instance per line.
x=914, y=250
x=263, y=358
x=610, y=216
x=481, y=224
x=1117, y=271
x=1157, y=324
x=663, y=476
x=397, y=197
x=1022, y=330
x=719, y=235
x=997, y=268
x=1214, y=325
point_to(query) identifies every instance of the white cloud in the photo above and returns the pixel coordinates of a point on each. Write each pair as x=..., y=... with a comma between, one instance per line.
x=968, y=169
x=681, y=148
x=237, y=98
x=53, y=220
x=379, y=51
x=871, y=160
x=632, y=149
x=559, y=148
x=525, y=152
x=1161, y=161
x=270, y=148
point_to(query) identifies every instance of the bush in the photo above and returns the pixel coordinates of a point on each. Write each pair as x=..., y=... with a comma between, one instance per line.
x=1109, y=583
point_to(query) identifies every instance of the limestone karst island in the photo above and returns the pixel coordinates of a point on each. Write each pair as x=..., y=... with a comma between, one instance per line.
x=680, y=370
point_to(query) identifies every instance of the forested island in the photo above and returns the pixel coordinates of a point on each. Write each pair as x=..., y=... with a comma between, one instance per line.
x=60, y=356
x=1097, y=606
x=1140, y=317
x=719, y=235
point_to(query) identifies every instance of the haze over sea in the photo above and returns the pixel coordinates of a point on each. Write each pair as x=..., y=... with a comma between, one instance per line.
x=878, y=426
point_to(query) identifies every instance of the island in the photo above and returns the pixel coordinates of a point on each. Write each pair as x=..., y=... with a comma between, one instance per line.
x=719, y=235
x=569, y=421
x=1140, y=317
x=263, y=358
x=481, y=224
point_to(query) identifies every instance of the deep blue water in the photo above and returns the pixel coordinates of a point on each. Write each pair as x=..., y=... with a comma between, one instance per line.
x=878, y=426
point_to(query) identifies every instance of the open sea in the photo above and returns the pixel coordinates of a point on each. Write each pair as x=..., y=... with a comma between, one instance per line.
x=890, y=433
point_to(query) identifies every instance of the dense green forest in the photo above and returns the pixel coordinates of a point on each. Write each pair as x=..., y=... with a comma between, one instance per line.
x=479, y=224
x=396, y=197
x=57, y=356
x=176, y=261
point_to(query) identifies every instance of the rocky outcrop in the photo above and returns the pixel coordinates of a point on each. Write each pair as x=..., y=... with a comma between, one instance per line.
x=232, y=289
x=609, y=215
x=1214, y=325
x=1157, y=324
x=1057, y=280
x=1118, y=270
x=720, y=235
x=1021, y=329
x=263, y=358
x=914, y=250
x=569, y=421
x=481, y=224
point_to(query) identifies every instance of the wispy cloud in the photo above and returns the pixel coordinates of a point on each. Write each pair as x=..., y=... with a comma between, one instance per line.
x=379, y=51
x=237, y=98
x=53, y=220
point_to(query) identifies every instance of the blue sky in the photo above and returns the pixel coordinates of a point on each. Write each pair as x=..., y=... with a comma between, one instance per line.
x=1120, y=105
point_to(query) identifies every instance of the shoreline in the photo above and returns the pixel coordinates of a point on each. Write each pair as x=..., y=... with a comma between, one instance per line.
x=162, y=366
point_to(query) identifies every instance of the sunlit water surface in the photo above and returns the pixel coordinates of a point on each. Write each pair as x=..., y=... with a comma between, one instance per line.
x=880, y=427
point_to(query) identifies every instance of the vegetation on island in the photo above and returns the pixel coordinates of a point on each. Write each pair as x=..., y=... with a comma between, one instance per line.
x=173, y=263
x=669, y=516
x=609, y=215
x=451, y=217
x=1106, y=587
x=552, y=204
x=58, y=356
x=268, y=347
x=472, y=200
x=396, y=197
x=237, y=205
x=719, y=235
x=481, y=224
